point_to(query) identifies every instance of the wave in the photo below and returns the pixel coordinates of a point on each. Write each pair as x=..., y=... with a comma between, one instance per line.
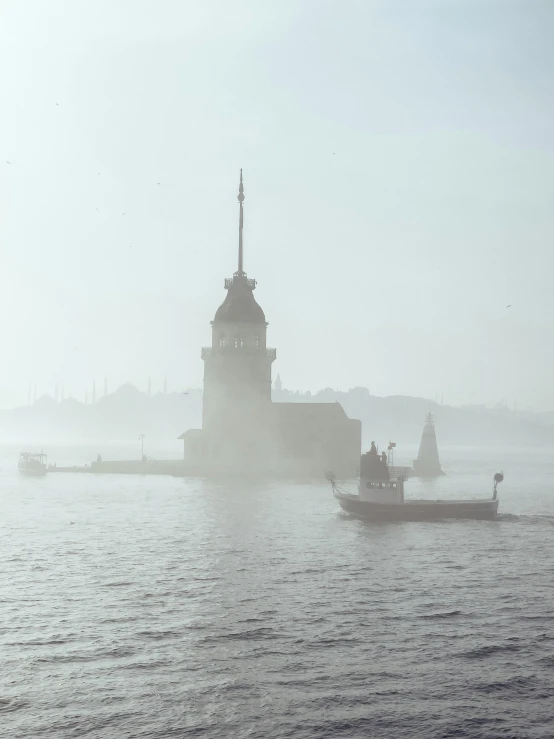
x=154, y=664
x=9, y=705
x=330, y=643
x=444, y=614
x=159, y=634
x=365, y=726
x=116, y=652
x=528, y=518
x=39, y=643
x=519, y=686
x=118, y=619
x=250, y=634
x=489, y=650
x=547, y=661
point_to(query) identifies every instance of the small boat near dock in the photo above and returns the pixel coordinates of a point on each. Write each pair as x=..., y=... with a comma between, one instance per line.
x=33, y=464
x=381, y=498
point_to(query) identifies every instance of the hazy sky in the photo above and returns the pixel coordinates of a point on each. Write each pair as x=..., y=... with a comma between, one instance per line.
x=399, y=177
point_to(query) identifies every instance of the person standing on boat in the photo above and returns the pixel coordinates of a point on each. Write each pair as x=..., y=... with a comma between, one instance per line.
x=384, y=458
x=373, y=450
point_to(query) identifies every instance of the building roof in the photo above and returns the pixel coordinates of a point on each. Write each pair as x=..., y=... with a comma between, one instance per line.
x=191, y=433
x=239, y=305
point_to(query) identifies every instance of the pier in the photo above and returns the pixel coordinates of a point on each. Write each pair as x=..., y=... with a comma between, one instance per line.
x=129, y=467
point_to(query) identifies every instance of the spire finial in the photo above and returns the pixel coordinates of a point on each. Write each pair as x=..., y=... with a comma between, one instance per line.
x=240, y=198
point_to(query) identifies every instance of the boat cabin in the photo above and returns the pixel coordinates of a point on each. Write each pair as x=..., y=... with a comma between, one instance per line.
x=384, y=491
x=32, y=464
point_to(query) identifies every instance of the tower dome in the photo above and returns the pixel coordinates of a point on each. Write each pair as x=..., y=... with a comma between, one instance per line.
x=240, y=305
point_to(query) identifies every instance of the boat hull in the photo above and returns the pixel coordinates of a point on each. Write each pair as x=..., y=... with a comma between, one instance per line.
x=419, y=510
x=33, y=473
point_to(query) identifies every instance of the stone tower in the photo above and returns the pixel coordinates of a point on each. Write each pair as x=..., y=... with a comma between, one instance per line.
x=237, y=365
x=427, y=463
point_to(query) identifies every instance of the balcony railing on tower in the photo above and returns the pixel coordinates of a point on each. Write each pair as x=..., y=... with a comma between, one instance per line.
x=229, y=281
x=209, y=351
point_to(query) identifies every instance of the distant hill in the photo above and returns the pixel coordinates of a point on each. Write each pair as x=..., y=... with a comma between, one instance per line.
x=123, y=414
x=128, y=412
x=400, y=418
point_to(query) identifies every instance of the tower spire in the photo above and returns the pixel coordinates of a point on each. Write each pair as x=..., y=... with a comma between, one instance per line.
x=240, y=198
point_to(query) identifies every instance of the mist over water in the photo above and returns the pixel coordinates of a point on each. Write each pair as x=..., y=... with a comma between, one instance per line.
x=154, y=607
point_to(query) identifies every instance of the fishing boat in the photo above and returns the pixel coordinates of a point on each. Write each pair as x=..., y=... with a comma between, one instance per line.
x=32, y=464
x=381, y=497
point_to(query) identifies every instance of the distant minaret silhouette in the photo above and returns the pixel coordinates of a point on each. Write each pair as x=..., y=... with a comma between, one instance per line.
x=35, y=394
x=149, y=387
x=93, y=392
x=63, y=392
x=427, y=463
x=278, y=384
x=29, y=396
x=165, y=385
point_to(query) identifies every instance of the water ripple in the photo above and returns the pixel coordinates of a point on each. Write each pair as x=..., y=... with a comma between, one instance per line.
x=173, y=609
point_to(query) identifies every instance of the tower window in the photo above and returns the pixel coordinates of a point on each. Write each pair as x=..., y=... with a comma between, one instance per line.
x=239, y=342
x=221, y=341
x=256, y=341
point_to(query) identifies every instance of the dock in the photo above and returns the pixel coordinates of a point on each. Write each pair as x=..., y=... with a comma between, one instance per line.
x=128, y=467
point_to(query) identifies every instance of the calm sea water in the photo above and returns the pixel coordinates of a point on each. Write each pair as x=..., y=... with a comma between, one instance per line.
x=157, y=607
